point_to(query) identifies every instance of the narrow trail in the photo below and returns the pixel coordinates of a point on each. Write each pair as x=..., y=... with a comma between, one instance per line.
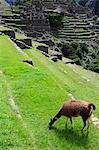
x=15, y=108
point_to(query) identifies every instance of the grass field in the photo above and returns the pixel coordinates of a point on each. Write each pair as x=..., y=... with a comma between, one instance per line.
x=30, y=96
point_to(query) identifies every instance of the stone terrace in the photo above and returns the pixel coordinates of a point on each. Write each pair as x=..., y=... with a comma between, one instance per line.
x=10, y=16
x=78, y=28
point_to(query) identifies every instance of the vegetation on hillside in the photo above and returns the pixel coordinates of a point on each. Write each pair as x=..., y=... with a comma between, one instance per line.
x=82, y=55
x=55, y=20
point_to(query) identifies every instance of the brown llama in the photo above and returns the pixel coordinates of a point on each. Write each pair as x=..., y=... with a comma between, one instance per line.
x=75, y=108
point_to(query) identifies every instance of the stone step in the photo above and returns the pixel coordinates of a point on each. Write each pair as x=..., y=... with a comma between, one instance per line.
x=76, y=37
x=73, y=31
x=76, y=26
x=77, y=23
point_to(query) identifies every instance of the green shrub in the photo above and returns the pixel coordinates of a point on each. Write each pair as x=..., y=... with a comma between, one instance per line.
x=69, y=50
x=55, y=20
x=82, y=55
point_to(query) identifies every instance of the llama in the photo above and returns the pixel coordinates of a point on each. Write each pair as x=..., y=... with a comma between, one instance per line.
x=75, y=108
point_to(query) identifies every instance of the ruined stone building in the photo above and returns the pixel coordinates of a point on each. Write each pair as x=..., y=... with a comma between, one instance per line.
x=35, y=17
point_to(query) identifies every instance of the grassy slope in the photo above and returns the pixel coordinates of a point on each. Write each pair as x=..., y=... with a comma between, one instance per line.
x=39, y=92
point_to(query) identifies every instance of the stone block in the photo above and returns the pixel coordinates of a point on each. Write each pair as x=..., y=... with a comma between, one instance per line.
x=30, y=62
x=43, y=48
x=53, y=58
x=45, y=54
x=47, y=42
x=59, y=55
x=27, y=41
x=21, y=44
x=10, y=33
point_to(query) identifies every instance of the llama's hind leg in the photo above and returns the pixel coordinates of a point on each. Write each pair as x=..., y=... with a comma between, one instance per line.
x=88, y=126
x=84, y=121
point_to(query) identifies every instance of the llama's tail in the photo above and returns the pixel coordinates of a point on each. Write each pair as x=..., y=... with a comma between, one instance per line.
x=91, y=107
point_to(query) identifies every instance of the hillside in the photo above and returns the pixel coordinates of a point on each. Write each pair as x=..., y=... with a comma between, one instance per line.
x=3, y=2
x=31, y=95
x=92, y=4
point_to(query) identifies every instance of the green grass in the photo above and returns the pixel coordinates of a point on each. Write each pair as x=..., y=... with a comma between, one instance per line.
x=38, y=93
x=35, y=44
x=10, y=14
x=4, y=28
x=20, y=36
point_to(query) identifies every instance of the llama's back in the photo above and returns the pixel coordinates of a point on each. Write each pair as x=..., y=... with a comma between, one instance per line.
x=73, y=108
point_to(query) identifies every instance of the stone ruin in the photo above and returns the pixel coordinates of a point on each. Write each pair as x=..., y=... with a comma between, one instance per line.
x=35, y=18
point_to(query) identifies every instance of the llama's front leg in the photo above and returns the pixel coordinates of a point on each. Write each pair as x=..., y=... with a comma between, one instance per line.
x=66, y=123
x=72, y=122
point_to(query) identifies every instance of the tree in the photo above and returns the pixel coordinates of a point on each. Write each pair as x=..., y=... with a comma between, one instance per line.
x=55, y=20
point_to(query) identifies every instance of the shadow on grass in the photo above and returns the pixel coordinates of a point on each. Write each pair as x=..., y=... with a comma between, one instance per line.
x=74, y=137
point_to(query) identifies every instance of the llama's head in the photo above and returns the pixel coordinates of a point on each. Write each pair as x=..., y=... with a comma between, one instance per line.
x=51, y=122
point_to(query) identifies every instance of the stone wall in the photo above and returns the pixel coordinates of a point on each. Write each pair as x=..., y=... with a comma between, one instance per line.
x=35, y=18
